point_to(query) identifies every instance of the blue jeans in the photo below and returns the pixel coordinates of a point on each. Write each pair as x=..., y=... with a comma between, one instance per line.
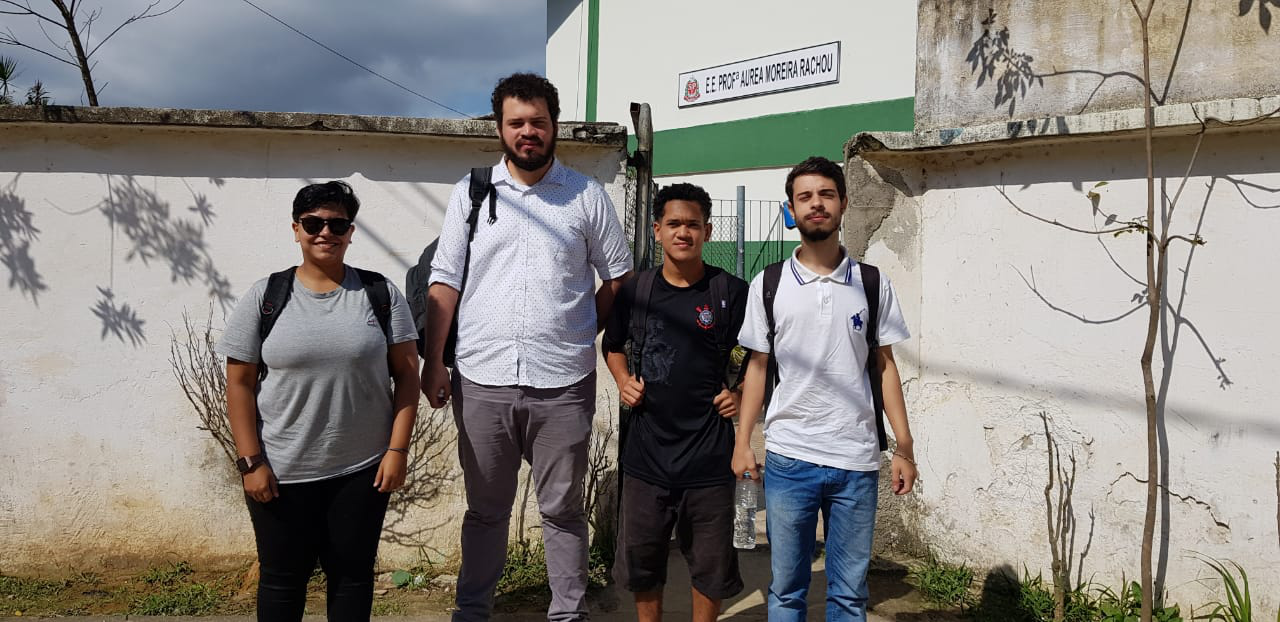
x=795, y=491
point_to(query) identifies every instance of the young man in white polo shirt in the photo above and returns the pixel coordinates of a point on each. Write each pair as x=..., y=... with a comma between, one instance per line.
x=821, y=436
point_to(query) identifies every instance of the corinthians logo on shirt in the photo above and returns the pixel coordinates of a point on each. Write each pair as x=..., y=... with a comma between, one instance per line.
x=705, y=318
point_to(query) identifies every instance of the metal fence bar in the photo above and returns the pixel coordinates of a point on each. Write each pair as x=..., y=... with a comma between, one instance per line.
x=741, y=232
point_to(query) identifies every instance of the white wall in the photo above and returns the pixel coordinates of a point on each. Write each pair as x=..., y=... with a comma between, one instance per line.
x=103, y=464
x=567, y=46
x=1013, y=317
x=644, y=46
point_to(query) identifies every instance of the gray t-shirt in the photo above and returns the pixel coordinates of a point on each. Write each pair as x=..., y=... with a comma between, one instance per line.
x=324, y=408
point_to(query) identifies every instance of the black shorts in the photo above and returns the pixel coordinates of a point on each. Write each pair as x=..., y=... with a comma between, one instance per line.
x=703, y=520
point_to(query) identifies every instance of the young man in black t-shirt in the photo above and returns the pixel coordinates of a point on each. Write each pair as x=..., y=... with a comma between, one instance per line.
x=678, y=446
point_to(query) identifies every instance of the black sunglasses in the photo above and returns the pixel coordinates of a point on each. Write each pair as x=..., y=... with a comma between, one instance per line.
x=313, y=225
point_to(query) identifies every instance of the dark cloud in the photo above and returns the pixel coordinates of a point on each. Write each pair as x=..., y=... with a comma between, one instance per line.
x=225, y=54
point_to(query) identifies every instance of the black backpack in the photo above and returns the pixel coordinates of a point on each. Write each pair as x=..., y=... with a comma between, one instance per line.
x=871, y=289
x=417, y=280
x=280, y=289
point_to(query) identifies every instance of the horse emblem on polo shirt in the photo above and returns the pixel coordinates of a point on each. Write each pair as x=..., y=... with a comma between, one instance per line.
x=706, y=319
x=856, y=318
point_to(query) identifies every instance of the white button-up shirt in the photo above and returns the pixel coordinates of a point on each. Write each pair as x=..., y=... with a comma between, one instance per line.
x=527, y=314
x=821, y=411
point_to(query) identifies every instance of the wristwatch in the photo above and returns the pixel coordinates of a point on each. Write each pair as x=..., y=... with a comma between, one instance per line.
x=249, y=463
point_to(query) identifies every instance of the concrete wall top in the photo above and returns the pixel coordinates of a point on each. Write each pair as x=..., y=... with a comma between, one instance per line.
x=1006, y=60
x=609, y=134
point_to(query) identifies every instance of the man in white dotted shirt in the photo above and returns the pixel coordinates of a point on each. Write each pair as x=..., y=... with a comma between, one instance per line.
x=524, y=382
x=823, y=437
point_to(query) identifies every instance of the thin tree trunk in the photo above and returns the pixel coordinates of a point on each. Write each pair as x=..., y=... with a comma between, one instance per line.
x=1153, y=326
x=82, y=60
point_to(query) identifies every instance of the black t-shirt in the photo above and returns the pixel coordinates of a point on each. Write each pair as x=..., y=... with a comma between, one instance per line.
x=677, y=439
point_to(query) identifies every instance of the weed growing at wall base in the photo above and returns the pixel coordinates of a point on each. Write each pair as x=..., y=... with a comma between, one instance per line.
x=942, y=584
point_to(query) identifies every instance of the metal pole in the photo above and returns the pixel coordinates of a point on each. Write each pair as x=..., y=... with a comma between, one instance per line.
x=642, y=160
x=742, y=232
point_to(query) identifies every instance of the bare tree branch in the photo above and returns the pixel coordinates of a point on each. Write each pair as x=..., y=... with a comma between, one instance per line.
x=27, y=10
x=1205, y=121
x=8, y=38
x=145, y=14
x=1129, y=226
x=1194, y=241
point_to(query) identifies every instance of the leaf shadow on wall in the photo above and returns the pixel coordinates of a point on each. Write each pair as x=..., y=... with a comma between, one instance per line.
x=17, y=232
x=155, y=236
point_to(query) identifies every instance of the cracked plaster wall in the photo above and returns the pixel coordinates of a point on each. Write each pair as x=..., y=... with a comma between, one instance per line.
x=1063, y=58
x=103, y=466
x=1013, y=317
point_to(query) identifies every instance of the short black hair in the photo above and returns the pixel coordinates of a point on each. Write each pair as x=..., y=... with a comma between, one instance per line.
x=315, y=196
x=526, y=87
x=817, y=165
x=682, y=192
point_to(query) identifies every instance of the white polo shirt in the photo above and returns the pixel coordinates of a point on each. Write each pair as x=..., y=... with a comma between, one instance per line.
x=821, y=411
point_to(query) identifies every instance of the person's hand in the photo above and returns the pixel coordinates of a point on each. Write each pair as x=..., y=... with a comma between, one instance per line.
x=391, y=472
x=260, y=484
x=902, y=475
x=632, y=391
x=727, y=403
x=744, y=461
x=435, y=384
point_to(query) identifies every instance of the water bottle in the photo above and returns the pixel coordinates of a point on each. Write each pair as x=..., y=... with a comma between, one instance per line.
x=745, y=501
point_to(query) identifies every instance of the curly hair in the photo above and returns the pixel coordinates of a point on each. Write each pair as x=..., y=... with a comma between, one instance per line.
x=526, y=87
x=682, y=192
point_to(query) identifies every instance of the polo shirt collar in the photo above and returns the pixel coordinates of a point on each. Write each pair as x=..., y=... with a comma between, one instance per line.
x=842, y=274
x=555, y=175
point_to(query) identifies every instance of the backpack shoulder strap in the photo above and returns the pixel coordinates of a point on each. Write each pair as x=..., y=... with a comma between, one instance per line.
x=772, y=278
x=481, y=187
x=720, y=311
x=640, y=316
x=274, y=299
x=379, y=293
x=871, y=289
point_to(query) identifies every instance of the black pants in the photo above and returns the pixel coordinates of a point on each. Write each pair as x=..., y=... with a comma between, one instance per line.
x=337, y=521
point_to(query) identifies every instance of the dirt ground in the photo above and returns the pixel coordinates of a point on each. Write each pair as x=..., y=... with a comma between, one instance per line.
x=177, y=589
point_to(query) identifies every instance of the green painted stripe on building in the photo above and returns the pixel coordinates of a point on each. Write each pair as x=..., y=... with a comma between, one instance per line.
x=756, y=254
x=773, y=141
x=593, y=56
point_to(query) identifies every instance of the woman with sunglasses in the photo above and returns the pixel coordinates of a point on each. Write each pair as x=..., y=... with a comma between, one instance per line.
x=322, y=435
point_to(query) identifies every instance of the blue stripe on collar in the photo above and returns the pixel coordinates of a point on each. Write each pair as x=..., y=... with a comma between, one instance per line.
x=796, y=272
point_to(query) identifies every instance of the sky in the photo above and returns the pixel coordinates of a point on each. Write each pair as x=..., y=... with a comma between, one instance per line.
x=225, y=54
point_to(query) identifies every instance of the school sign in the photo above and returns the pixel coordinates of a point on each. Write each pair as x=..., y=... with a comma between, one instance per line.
x=785, y=71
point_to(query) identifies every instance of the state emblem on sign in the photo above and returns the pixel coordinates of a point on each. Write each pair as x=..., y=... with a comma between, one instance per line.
x=706, y=319
x=691, y=92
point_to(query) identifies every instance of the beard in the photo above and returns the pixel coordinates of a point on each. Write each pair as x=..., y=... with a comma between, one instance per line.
x=534, y=161
x=815, y=233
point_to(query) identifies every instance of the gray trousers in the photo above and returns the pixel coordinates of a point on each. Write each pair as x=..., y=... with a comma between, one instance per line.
x=551, y=430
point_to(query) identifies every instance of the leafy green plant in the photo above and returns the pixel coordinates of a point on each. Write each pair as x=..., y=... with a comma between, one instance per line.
x=526, y=568
x=192, y=599
x=18, y=595
x=599, y=564
x=1239, y=605
x=1126, y=605
x=942, y=584
x=168, y=575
